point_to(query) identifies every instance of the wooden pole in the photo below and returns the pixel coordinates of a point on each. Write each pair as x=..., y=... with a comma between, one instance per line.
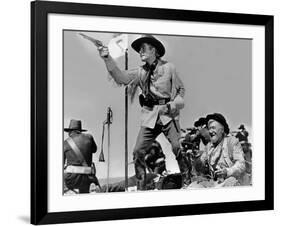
x=109, y=121
x=126, y=125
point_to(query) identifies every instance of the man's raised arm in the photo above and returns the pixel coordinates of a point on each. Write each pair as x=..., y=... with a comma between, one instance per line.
x=120, y=77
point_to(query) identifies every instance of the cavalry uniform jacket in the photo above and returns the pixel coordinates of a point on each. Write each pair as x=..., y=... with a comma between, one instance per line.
x=165, y=83
x=87, y=146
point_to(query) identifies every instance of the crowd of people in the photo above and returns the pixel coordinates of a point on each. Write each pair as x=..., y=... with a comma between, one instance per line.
x=207, y=155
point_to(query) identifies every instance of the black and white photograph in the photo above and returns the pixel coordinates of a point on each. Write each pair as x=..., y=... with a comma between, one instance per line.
x=149, y=112
x=140, y=112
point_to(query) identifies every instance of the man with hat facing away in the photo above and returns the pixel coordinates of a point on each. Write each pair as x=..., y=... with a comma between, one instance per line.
x=223, y=157
x=78, y=148
x=242, y=134
x=161, y=99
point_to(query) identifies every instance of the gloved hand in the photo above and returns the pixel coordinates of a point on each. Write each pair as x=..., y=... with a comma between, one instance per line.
x=172, y=107
x=103, y=51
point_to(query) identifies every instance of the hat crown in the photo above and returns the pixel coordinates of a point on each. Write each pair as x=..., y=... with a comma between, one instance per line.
x=149, y=39
x=241, y=126
x=219, y=118
x=200, y=122
x=75, y=124
x=147, y=36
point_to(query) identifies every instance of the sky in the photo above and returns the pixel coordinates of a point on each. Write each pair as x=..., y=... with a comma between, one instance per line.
x=216, y=72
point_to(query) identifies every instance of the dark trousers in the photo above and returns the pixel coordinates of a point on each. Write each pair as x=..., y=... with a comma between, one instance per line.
x=146, y=136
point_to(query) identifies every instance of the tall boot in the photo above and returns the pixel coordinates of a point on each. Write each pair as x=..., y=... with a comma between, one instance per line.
x=141, y=183
x=140, y=171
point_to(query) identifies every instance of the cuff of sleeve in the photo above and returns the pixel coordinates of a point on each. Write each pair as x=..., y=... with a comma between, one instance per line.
x=172, y=105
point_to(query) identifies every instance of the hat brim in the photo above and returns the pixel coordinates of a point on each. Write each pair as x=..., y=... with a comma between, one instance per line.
x=68, y=130
x=136, y=45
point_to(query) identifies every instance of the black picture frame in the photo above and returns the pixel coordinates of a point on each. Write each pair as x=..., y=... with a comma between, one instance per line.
x=39, y=112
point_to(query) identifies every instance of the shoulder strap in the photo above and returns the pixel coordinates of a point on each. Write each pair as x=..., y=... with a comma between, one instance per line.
x=76, y=150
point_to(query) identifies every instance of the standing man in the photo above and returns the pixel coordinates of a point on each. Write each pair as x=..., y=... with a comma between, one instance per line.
x=161, y=99
x=78, y=148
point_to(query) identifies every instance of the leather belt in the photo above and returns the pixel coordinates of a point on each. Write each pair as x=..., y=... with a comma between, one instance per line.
x=161, y=101
x=79, y=169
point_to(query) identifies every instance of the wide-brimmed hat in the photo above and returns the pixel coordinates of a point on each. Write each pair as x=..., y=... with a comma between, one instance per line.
x=136, y=45
x=241, y=126
x=74, y=125
x=219, y=118
x=200, y=122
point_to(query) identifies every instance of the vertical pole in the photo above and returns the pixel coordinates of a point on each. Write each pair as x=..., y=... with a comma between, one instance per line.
x=126, y=125
x=108, y=144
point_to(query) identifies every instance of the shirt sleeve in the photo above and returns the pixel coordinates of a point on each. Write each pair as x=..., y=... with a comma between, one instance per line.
x=178, y=90
x=93, y=143
x=120, y=77
x=237, y=158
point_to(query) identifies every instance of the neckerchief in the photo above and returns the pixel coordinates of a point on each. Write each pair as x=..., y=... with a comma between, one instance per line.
x=150, y=69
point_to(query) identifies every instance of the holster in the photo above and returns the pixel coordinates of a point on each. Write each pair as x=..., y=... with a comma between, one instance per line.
x=146, y=101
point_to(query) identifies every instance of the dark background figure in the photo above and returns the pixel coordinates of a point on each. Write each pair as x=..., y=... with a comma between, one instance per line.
x=202, y=131
x=242, y=136
x=79, y=170
x=196, y=135
x=155, y=159
x=155, y=179
x=194, y=143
